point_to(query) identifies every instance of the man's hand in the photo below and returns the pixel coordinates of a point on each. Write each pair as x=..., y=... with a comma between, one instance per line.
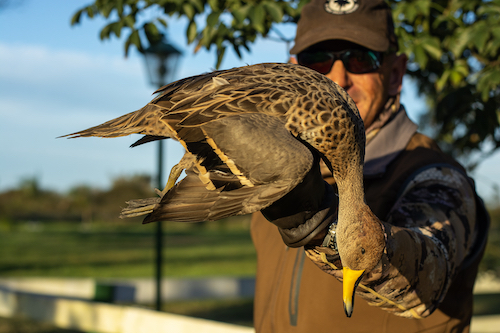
x=306, y=210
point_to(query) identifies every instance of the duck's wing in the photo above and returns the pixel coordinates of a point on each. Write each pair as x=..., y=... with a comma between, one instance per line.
x=248, y=162
x=191, y=201
x=181, y=107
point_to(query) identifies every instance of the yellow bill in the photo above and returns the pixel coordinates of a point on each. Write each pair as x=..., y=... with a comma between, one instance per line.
x=351, y=280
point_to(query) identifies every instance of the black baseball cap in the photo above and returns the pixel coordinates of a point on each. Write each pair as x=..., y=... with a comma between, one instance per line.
x=364, y=22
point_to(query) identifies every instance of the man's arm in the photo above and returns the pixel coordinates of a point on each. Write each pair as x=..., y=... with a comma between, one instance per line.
x=429, y=231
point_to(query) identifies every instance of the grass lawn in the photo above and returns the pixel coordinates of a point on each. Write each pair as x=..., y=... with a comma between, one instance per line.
x=99, y=250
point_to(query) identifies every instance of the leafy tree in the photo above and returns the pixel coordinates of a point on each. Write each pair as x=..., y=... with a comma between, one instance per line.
x=222, y=23
x=453, y=47
x=30, y=202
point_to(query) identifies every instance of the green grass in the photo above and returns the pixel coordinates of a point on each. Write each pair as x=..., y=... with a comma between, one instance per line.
x=103, y=250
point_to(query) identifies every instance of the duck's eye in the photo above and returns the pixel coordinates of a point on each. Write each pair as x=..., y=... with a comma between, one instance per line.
x=362, y=250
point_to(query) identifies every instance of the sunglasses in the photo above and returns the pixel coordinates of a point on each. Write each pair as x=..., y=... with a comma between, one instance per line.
x=356, y=61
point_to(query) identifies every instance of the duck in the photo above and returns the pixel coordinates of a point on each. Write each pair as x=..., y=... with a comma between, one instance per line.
x=251, y=134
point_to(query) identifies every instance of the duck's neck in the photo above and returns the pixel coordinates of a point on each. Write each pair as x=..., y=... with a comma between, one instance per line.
x=359, y=231
x=351, y=206
x=351, y=192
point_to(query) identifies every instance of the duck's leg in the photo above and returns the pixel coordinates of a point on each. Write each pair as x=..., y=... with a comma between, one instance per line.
x=186, y=162
x=146, y=206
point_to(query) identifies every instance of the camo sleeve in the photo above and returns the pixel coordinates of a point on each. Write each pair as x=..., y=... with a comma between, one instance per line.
x=429, y=232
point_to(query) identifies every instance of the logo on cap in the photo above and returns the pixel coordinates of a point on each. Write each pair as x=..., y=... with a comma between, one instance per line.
x=341, y=6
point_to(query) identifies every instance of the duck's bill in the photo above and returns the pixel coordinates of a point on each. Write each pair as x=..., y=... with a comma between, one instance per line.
x=350, y=282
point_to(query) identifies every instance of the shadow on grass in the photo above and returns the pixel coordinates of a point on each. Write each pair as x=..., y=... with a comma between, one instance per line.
x=486, y=304
x=23, y=325
x=234, y=311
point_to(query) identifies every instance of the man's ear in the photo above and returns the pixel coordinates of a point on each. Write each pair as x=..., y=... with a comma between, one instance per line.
x=292, y=60
x=398, y=70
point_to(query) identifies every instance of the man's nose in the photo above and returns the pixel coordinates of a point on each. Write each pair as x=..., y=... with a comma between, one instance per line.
x=339, y=74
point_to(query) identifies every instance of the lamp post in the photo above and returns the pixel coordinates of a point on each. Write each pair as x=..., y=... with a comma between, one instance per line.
x=161, y=61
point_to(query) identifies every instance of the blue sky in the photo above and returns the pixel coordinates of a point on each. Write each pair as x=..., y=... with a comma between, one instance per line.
x=56, y=79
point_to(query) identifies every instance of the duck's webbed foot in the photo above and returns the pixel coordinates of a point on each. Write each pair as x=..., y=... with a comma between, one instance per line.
x=139, y=207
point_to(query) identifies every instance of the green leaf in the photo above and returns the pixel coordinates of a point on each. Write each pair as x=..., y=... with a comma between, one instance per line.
x=245, y=45
x=433, y=47
x=422, y=7
x=152, y=32
x=191, y=32
x=105, y=32
x=90, y=11
x=236, y=49
x=133, y=39
x=241, y=13
x=488, y=80
x=119, y=8
x=207, y=36
x=198, y=4
x=76, y=17
x=409, y=12
x=214, y=5
x=274, y=10
x=256, y=15
x=462, y=67
x=213, y=19
x=460, y=42
x=116, y=27
x=188, y=10
x=220, y=56
x=106, y=10
x=456, y=78
x=480, y=34
x=496, y=31
x=221, y=35
x=420, y=56
x=162, y=21
x=129, y=21
x=493, y=47
x=151, y=28
x=441, y=82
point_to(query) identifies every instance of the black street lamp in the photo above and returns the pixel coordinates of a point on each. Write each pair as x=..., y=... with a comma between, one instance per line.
x=161, y=62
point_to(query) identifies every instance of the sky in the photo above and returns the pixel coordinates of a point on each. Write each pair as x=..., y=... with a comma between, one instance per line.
x=57, y=79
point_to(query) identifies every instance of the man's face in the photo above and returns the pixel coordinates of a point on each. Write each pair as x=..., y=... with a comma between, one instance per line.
x=369, y=91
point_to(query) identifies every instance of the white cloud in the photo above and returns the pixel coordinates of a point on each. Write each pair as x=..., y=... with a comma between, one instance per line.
x=38, y=64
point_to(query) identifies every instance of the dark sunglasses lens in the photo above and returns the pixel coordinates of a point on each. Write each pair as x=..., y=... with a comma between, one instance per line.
x=359, y=61
x=355, y=61
x=319, y=61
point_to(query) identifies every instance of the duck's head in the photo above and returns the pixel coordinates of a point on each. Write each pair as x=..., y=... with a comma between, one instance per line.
x=361, y=243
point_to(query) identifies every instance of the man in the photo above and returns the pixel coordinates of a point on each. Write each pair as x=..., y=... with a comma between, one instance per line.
x=435, y=225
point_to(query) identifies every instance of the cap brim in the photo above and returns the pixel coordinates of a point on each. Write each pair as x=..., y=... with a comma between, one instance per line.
x=364, y=37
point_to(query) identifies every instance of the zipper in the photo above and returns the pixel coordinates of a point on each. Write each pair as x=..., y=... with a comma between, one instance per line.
x=293, y=303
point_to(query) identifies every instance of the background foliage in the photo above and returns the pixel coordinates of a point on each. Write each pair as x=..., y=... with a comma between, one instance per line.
x=30, y=202
x=453, y=47
x=35, y=223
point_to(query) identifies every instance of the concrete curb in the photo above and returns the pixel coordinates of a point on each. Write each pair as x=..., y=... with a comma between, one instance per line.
x=87, y=316
x=485, y=324
x=140, y=290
